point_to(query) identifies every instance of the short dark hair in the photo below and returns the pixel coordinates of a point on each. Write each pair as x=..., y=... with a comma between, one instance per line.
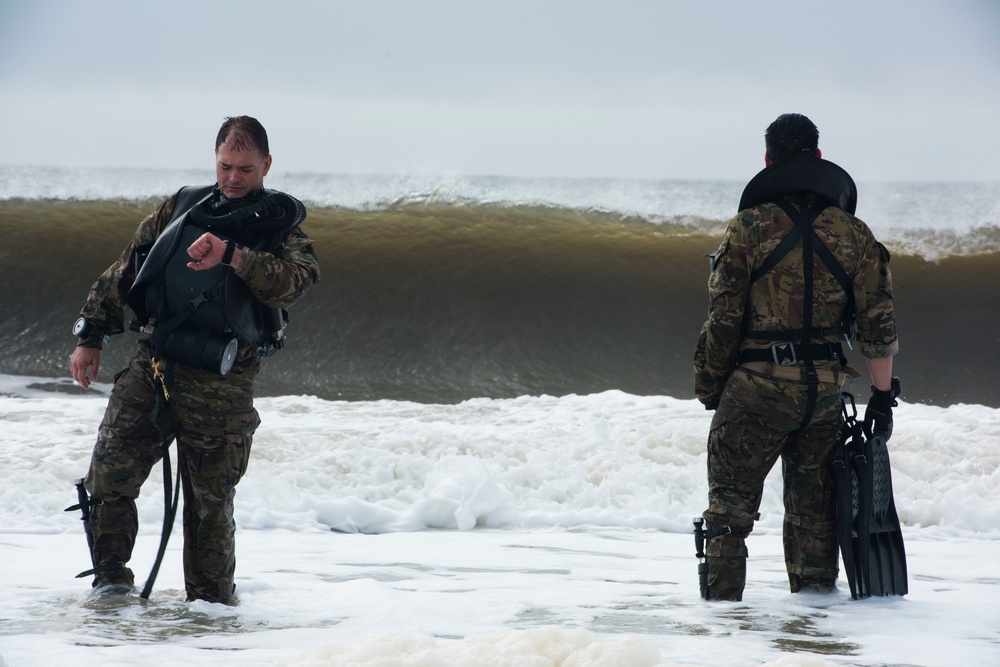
x=790, y=134
x=247, y=134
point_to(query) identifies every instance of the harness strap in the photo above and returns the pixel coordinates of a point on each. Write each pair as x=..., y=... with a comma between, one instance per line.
x=797, y=335
x=163, y=331
x=835, y=268
x=788, y=354
x=779, y=252
x=804, y=220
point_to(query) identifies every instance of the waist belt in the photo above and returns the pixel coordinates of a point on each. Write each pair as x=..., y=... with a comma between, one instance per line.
x=797, y=373
x=790, y=354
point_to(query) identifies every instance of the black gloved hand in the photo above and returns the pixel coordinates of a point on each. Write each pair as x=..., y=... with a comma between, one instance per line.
x=878, y=415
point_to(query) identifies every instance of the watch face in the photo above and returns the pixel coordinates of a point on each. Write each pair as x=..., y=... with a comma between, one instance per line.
x=79, y=327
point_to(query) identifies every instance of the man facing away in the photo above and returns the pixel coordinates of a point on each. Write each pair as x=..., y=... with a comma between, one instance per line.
x=208, y=276
x=769, y=360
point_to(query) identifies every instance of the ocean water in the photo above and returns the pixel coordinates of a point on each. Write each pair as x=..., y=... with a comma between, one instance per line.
x=441, y=289
x=538, y=530
x=892, y=210
x=480, y=447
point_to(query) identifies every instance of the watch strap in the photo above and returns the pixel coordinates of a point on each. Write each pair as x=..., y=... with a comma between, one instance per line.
x=227, y=256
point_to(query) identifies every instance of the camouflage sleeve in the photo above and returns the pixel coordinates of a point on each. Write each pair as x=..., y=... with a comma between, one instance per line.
x=279, y=280
x=105, y=306
x=719, y=341
x=876, y=318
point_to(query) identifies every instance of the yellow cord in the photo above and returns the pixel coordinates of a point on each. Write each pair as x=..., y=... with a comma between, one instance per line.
x=158, y=375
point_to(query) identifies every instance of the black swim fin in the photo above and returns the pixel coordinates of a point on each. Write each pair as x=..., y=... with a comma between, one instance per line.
x=887, y=564
x=847, y=458
x=868, y=528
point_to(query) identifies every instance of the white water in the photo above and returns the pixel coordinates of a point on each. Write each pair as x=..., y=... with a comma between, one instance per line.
x=533, y=531
x=892, y=210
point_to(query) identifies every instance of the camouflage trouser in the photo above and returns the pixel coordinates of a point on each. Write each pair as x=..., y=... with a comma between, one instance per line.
x=217, y=421
x=758, y=420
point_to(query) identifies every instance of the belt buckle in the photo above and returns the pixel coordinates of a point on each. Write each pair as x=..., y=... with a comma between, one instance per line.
x=784, y=354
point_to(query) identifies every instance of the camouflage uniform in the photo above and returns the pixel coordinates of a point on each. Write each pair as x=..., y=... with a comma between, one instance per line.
x=215, y=417
x=761, y=406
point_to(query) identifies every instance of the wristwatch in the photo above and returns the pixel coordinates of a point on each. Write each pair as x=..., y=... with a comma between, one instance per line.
x=84, y=329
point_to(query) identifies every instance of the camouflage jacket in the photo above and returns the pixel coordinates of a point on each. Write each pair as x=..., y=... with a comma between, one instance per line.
x=277, y=280
x=775, y=301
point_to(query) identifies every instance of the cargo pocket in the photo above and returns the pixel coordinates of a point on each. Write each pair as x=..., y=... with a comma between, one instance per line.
x=721, y=416
x=726, y=450
x=239, y=429
x=218, y=453
x=129, y=408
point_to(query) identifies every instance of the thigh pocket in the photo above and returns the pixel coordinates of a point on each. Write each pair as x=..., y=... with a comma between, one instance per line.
x=725, y=440
x=240, y=427
x=219, y=450
x=129, y=408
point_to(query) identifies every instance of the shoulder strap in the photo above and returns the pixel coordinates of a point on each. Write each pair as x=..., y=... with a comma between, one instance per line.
x=835, y=267
x=782, y=249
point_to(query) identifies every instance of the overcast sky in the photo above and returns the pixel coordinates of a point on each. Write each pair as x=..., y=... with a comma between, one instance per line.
x=900, y=89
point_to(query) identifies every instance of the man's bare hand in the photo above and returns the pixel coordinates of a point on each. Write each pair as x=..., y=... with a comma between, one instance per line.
x=84, y=364
x=207, y=252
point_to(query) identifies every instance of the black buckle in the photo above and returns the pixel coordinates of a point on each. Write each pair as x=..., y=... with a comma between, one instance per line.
x=784, y=354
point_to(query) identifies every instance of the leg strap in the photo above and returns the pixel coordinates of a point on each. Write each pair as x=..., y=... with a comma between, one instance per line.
x=102, y=569
x=85, y=503
x=726, y=514
x=814, y=573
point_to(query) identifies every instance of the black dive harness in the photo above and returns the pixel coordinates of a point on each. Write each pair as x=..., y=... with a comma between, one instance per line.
x=197, y=317
x=833, y=187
